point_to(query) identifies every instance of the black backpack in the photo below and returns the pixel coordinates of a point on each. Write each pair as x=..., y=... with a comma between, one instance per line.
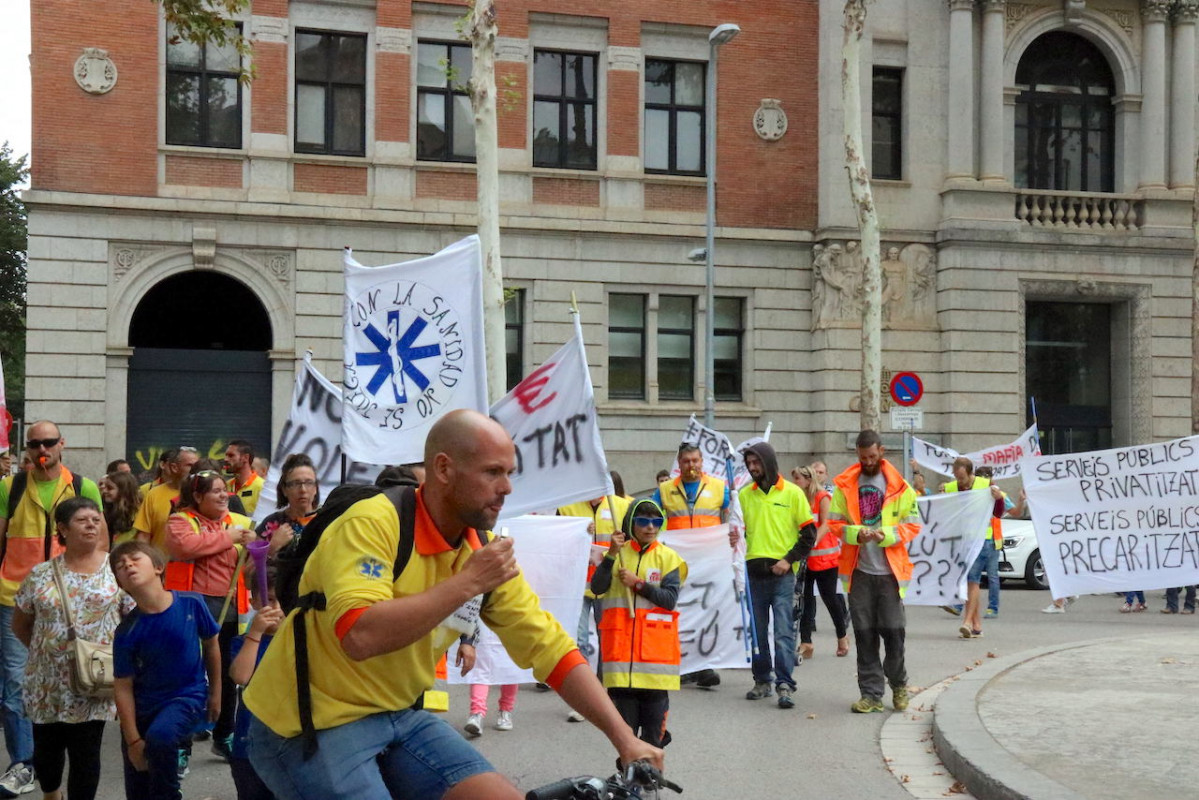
x=290, y=567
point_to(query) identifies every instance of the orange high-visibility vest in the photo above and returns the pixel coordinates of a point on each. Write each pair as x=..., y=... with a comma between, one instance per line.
x=639, y=642
x=180, y=575
x=705, y=513
x=827, y=552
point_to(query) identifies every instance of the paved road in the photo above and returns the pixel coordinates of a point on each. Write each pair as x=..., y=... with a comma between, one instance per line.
x=727, y=747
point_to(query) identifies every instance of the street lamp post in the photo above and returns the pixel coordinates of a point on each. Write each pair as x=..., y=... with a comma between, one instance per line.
x=721, y=34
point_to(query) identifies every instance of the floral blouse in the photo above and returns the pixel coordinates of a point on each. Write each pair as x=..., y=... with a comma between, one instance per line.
x=97, y=604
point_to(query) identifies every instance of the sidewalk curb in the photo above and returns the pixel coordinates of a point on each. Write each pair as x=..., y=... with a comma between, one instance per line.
x=969, y=751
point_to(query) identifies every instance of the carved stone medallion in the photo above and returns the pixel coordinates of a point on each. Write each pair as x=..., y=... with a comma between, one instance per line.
x=95, y=72
x=770, y=121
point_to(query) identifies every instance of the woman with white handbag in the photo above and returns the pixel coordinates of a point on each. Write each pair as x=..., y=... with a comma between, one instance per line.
x=67, y=611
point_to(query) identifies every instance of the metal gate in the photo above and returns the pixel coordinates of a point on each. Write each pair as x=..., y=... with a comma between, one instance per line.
x=197, y=398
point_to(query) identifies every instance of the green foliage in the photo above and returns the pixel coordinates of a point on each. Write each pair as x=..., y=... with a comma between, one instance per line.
x=13, y=244
x=201, y=21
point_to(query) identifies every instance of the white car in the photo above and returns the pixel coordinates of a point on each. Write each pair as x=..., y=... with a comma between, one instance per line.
x=1021, y=555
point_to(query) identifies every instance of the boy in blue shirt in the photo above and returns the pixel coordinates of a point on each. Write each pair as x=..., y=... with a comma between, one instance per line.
x=168, y=670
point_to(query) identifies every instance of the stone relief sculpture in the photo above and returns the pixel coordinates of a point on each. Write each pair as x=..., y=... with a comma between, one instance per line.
x=909, y=286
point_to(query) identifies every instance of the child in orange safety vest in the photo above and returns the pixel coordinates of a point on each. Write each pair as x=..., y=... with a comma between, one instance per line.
x=639, y=581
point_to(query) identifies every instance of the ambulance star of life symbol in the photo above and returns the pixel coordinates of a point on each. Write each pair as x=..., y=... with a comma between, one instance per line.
x=395, y=355
x=406, y=353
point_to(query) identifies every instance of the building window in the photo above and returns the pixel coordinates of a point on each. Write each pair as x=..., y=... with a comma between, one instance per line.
x=729, y=330
x=514, y=336
x=1068, y=363
x=626, y=346
x=564, y=110
x=445, y=122
x=203, y=102
x=1065, y=121
x=886, y=152
x=674, y=117
x=330, y=93
x=676, y=348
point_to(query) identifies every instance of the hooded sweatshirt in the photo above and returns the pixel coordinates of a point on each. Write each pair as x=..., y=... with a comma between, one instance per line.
x=778, y=520
x=666, y=593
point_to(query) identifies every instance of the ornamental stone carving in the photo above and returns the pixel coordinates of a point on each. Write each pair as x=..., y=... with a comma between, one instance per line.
x=276, y=263
x=203, y=247
x=1155, y=10
x=95, y=72
x=908, y=293
x=1186, y=11
x=1014, y=14
x=123, y=259
x=1074, y=9
x=770, y=121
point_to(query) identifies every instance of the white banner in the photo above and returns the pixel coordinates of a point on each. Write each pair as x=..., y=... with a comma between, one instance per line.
x=313, y=427
x=552, y=553
x=551, y=418
x=953, y=528
x=5, y=417
x=1117, y=520
x=1004, y=458
x=711, y=632
x=413, y=350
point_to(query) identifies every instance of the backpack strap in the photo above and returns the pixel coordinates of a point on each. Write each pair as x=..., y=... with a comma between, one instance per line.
x=19, y=481
x=404, y=500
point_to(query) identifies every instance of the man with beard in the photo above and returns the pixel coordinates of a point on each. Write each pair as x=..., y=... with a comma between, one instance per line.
x=374, y=643
x=244, y=484
x=874, y=511
x=778, y=532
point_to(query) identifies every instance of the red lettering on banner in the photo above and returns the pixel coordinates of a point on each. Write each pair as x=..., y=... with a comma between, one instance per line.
x=528, y=390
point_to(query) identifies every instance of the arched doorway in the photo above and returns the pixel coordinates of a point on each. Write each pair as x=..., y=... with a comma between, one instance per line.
x=199, y=374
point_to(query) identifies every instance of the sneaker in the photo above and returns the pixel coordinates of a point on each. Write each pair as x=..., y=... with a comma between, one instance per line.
x=222, y=747
x=474, y=725
x=965, y=632
x=1127, y=607
x=991, y=614
x=761, y=689
x=785, y=701
x=951, y=611
x=17, y=781
x=1187, y=611
x=504, y=722
x=707, y=679
x=1053, y=609
x=899, y=698
x=1141, y=607
x=1164, y=610
x=575, y=716
x=976, y=634
x=866, y=705
x=182, y=769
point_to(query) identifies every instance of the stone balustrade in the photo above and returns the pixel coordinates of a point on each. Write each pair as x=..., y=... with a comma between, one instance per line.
x=1080, y=210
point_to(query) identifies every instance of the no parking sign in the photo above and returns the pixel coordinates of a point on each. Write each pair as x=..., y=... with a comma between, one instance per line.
x=906, y=388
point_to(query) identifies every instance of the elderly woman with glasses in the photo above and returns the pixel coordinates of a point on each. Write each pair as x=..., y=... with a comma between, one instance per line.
x=297, y=497
x=204, y=541
x=638, y=585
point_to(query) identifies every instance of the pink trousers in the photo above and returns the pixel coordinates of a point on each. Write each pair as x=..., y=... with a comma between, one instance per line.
x=478, y=697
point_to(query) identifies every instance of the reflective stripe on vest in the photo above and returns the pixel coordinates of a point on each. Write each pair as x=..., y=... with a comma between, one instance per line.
x=704, y=513
x=639, y=642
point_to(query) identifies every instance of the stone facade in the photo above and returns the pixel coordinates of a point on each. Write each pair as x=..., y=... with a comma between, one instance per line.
x=114, y=210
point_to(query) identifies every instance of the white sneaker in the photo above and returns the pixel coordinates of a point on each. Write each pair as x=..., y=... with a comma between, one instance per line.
x=17, y=781
x=575, y=716
x=504, y=722
x=1053, y=609
x=474, y=725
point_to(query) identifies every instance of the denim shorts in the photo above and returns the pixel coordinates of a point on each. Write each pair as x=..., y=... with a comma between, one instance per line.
x=412, y=755
x=988, y=551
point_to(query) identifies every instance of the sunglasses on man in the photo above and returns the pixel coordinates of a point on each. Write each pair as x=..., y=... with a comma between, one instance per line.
x=34, y=444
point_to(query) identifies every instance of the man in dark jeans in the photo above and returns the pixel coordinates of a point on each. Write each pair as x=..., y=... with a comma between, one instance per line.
x=1188, y=605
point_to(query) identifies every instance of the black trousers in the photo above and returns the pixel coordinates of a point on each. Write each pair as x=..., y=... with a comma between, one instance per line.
x=826, y=581
x=645, y=711
x=54, y=743
x=878, y=617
